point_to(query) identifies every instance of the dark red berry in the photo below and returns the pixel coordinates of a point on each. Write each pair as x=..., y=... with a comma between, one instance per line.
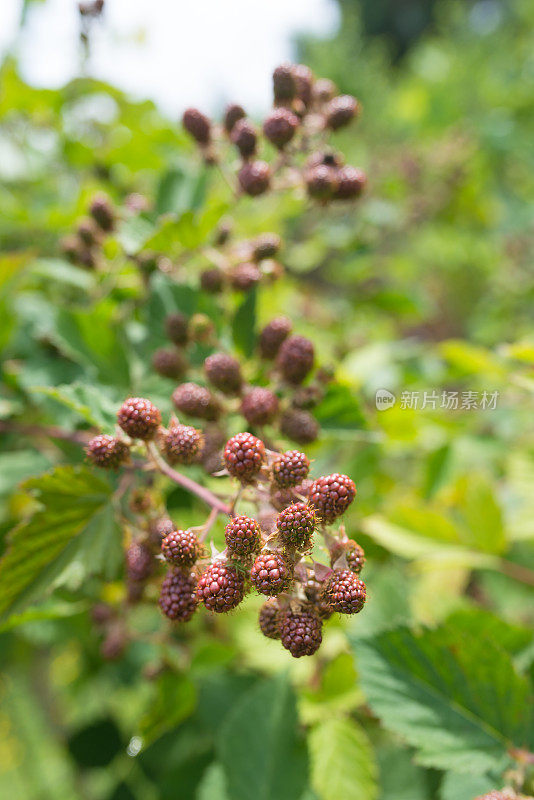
x=139, y=418
x=169, y=363
x=331, y=495
x=107, y=451
x=101, y=613
x=350, y=183
x=102, y=212
x=244, y=137
x=254, y=177
x=224, y=372
x=196, y=401
x=212, y=280
x=233, y=114
x=88, y=232
x=280, y=127
x=243, y=536
x=325, y=158
x=159, y=529
x=341, y=110
x=303, y=77
x=321, y=182
x=269, y=619
x=245, y=277
x=324, y=90
x=113, y=645
x=259, y=406
x=290, y=468
x=282, y=498
x=300, y=632
x=271, y=573
x=299, y=426
x=182, y=444
x=307, y=396
x=139, y=562
x=354, y=555
x=181, y=548
x=197, y=125
x=284, y=84
x=221, y=587
x=176, y=328
x=295, y=358
x=272, y=336
x=295, y=525
x=178, y=598
x=266, y=245
x=244, y=455
x=344, y=592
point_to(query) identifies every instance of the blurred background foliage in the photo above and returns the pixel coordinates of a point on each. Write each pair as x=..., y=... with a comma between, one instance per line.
x=427, y=286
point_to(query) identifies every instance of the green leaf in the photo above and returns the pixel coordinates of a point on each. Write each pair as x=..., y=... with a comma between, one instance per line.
x=483, y=516
x=342, y=761
x=340, y=409
x=263, y=756
x=244, y=325
x=455, y=697
x=95, y=404
x=459, y=786
x=400, y=777
x=175, y=699
x=72, y=535
x=213, y=784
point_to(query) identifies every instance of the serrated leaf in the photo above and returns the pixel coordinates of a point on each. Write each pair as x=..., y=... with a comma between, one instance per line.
x=400, y=777
x=93, y=403
x=342, y=761
x=260, y=749
x=244, y=325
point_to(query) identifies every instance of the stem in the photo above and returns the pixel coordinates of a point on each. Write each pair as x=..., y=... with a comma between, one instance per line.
x=518, y=572
x=50, y=432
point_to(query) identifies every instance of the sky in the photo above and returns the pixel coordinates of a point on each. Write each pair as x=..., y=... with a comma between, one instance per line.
x=176, y=52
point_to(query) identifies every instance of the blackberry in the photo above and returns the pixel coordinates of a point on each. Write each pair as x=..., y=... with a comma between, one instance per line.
x=331, y=495
x=259, y=406
x=176, y=328
x=101, y=613
x=178, y=599
x=350, y=183
x=148, y=262
x=354, y=555
x=280, y=127
x=212, y=280
x=290, y=468
x=196, y=401
x=324, y=90
x=271, y=270
x=300, y=632
x=221, y=587
x=295, y=358
x=344, y=592
x=269, y=619
x=243, y=536
x=295, y=525
x=254, y=178
x=272, y=336
x=284, y=84
x=303, y=77
x=325, y=158
x=307, y=396
x=139, y=418
x=201, y=328
x=232, y=114
x=88, y=232
x=182, y=444
x=244, y=455
x=321, y=182
x=169, y=363
x=244, y=137
x=181, y=548
x=107, y=451
x=340, y=111
x=224, y=372
x=102, y=212
x=299, y=426
x=159, y=529
x=197, y=125
x=70, y=247
x=113, y=645
x=245, y=277
x=271, y=573
x=266, y=246
x=139, y=562
x=282, y=498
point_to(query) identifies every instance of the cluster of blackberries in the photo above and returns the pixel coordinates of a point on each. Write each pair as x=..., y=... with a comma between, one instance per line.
x=83, y=247
x=304, y=109
x=241, y=265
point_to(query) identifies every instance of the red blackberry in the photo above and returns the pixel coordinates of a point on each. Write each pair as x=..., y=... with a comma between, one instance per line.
x=243, y=536
x=300, y=632
x=221, y=587
x=299, y=426
x=303, y=77
x=295, y=525
x=88, y=233
x=321, y=182
x=254, y=177
x=259, y=406
x=107, y=451
x=344, y=592
x=223, y=372
x=139, y=418
x=340, y=111
x=331, y=495
x=232, y=114
x=244, y=137
x=196, y=401
x=284, y=84
x=176, y=328
x=350, y=183
x=197, y=125
x=182, y=444
x=280, y=127
x=307, y=396
x=271, y=573
x=245, y=277
x=290, y=468
x=354, y=555
x=139, y=562
x=272, y=336
x=201, y=328
x=181, y=548
x=212, y=280
x=282, y=498
x=178, y=599
x=325, y=158
x=159, y=529
x=169, y=363
x=244, y=455
x=295, y=358
x=269, y=619
x=102, y=212
x=324, y=90
x=266, y=245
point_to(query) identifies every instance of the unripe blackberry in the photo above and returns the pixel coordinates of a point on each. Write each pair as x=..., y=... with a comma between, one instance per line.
x=295, y=525
x=107, y=451
x=101, y=613
x=300, y=632
x=295, y=358
x=139, y=562
x=159, y=529
x=224, y=372
x=221, y=587
x=299, y=426
x=325, y=158
x=290, y=469
x=178, y=598
x=244, y=137
x=354, y=555
x=269, y=619
x=113, y=645
x=86, y=258
x=341, y=110
x=282, y=498
x=140, y=501
x=102, y=212
x=303, y=77
x=233, y=114
x=244, y=455
x=284, y=84
x=182, y=444
x=271, y=573
x=344, y=592
x=197, y=125
x=254, y=177
x=176, y=328
x=324, y=90
x=280, y=127
x=88, y=232
x=272, y=336
x=271, y=270
x=245, y=277
x=196, y=401
x=212, y=280
x=266, y=245
x=331, y=495
x=201, y=328
x=139, y=418
x=70, y=247
x=307, y=396
x=136, y=203
x=321, y=182
x=259, y=406
x=181, y=548
x=243, y=536
x=169, y=363
x=350, y=183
